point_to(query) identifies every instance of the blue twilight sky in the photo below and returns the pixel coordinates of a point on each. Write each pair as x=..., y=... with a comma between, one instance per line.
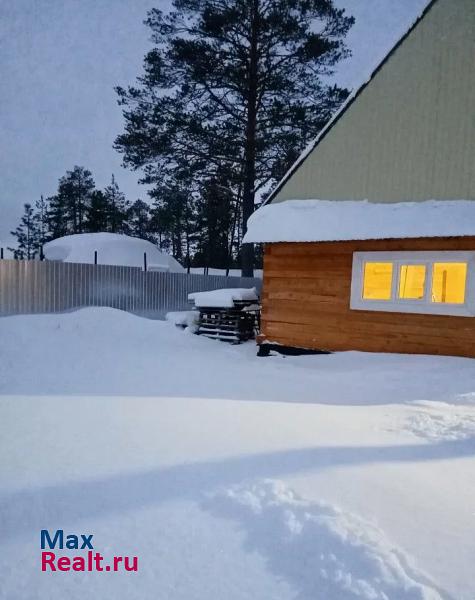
x=59, y=63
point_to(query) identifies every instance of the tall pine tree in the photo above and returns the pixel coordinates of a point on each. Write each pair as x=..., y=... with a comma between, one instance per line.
x=118, y=207
x=138, y=221
x=26, y=235
x=41, y=217
x=57, y=216
x=70, y=206
x=173, y=218
x=98, y=213
x=215, y=220
x=241, y=83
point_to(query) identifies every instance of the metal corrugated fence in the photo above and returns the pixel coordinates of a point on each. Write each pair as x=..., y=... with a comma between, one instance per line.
x=28, y=287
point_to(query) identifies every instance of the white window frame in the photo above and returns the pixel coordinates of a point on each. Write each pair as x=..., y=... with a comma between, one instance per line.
x=403, y=305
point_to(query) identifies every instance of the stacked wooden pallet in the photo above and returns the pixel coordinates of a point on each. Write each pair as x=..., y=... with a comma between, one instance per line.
x=232, y=324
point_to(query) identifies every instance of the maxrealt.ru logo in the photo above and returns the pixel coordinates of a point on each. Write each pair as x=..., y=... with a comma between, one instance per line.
x=88, y=560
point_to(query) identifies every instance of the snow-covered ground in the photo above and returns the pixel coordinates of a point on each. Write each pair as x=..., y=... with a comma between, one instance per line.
x=348, y=476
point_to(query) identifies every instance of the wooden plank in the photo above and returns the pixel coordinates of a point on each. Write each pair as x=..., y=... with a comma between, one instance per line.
x=317, y=263
x=325, y=341
x=334, y=248
x=367, y=346
x=307, y=273
x=314, y=284
x=314, y=311
x=336, y=328
x=305, y=297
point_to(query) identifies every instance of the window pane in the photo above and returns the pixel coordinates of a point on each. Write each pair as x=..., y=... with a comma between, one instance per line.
x=448, y=282
x=412, y=280
x=377, y=281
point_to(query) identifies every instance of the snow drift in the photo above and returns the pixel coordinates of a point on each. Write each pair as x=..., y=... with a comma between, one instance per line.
x=112, y=249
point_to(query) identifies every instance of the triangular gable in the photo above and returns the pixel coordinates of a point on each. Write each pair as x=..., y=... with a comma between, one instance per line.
x=408, y=133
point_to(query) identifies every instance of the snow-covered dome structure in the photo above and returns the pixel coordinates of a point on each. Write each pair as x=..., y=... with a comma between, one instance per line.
x=112, y=249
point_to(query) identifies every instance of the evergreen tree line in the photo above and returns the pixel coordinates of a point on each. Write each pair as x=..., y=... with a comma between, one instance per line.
x=230, y=94
x=79, y=207
x=195, y=230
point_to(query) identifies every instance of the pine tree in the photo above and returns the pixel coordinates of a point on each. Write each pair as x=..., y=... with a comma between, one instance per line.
x=159, y=225
x=138, y=220
x=27, y=236
x=98, y=213
x=74, y=194
x=215, y=218
x=41, y=217
x=57, y=217
x=173, y=219
x=240, y=83
x=118, y=207
x=69, y=207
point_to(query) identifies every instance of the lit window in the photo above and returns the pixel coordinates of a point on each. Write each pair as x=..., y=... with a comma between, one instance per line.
x=448, y=283
x=421, y=282
x=412, y=280
x=377, y=283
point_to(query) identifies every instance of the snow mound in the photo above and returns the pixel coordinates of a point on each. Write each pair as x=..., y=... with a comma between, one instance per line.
x=184, y=318
x=112, y=249
x=329, y=220
x=224, y=298
x=327, y=553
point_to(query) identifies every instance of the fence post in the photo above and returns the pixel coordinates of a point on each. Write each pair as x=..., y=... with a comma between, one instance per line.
x=95, y=257
x=1, y=253
x=145, y=261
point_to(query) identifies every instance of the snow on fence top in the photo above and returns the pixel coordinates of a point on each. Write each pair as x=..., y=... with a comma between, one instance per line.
x=112, y=249
x=224, y=298
x=330, y=220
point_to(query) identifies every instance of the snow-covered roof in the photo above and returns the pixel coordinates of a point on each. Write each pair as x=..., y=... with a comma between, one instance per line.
x=330, y=220
x=345, y=106
x=112, y=249
x=223, y=298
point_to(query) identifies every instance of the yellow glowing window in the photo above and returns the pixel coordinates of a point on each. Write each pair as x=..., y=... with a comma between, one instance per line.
x=448, y=283
x=377, y=281
x=412, y=280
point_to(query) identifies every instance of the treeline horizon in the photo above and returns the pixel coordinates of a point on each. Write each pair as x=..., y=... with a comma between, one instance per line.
x=79, y=206
x=229, y=95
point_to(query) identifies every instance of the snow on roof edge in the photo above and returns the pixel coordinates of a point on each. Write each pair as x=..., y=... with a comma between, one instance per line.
x=346, y=105
x=343, y=220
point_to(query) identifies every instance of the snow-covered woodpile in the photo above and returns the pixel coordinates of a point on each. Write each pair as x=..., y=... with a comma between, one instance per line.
x=229, y=315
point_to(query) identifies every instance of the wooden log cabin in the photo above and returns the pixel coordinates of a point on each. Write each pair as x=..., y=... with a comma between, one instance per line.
x=370, y=236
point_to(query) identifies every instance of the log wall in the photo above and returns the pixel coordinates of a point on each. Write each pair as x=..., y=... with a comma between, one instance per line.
x=306, y=302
